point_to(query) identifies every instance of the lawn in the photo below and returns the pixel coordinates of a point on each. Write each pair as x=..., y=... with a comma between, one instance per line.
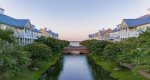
x=123, y=74
x=35, y=75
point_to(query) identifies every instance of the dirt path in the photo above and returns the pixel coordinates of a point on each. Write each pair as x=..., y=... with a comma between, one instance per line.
x=145, y=74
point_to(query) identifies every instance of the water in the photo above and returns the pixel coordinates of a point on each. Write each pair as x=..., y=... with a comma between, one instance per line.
x=76, y=67
x=74, y=43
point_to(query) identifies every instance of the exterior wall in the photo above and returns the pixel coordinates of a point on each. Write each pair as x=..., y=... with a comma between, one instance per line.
x=106, y=34
x=115, y=36
x=143, y=27
x=4, y=26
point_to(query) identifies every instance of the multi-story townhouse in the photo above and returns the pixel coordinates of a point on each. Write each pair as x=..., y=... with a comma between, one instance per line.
x=106, y=34
x=44, y=32
x=115, y=34
x=132, y=27
x=36, y=33
x=94, y=36
x=48, y=33
x=101, y=35
x=90, y=36
x=23, y=30
x=55, y=35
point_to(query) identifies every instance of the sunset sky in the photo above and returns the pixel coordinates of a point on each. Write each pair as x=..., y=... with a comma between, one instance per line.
x=75, y=19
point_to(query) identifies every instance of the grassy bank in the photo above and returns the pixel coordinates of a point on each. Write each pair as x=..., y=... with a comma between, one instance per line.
x=43, y=66
x=123, y=74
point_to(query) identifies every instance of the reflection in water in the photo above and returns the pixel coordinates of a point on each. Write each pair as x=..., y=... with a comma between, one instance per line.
x=98, y=72
x=75, y=67
x=53, y=72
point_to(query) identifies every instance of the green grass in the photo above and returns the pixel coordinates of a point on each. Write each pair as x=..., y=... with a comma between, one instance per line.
x=35, y=75
x=123, y=74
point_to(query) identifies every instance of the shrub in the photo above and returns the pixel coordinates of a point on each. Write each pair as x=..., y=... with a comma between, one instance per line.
x=111, y=51
x=7, y=35
x=13, y=60
x=56, y=45
x=38, y=52
x=97, y=47
x=86, y=42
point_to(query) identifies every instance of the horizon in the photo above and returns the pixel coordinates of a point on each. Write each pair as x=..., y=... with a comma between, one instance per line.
x=75, y=19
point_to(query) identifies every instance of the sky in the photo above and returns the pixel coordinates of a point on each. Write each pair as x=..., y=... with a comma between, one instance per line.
x=75, y=19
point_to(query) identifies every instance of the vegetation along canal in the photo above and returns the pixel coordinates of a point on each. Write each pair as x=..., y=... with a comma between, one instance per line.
x=75, y=67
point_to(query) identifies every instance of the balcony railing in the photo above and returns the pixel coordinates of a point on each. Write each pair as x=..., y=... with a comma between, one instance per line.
x=25, y=35
x=133, y=34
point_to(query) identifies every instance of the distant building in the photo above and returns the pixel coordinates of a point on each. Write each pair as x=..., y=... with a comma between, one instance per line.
x=105, y=34
x=48, y=33
x=115, y=34
x=94, y=36
x=101, y=35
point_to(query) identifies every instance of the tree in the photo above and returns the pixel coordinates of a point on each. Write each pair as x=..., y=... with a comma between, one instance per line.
x=111, y=51
x=38, y=52
x=7, y=35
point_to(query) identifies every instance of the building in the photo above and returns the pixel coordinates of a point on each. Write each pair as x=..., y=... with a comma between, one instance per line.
x=94, y=36
x=101, y=35
x=23, y=30
x=115, y=34
x=132, y=27
x=48, y=33
x=106, y=34
x=55, y=35
x=44, y=32
x=36, y=32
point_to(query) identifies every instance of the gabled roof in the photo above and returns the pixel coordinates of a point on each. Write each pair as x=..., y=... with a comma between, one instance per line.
x=147, y=15
x=115, y=30
x=20, y=23
x=137, y=22
x=35, y=30
x=49, y=32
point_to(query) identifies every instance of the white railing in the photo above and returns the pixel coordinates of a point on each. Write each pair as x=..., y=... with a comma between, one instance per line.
x=133, y=34
x=25, y=35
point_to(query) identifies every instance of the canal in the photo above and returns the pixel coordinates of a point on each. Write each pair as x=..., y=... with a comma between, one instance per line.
x=75, y=67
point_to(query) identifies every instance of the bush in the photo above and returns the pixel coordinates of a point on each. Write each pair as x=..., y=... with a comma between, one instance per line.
x=7, y=35
x=56, y=45
x=13, y=60
x=86, y=42
x=111, y=51
x=96, y=47
x=38, y=52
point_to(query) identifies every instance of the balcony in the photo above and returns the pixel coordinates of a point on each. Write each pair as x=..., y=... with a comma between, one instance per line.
x=25, y=35
x=133, y=34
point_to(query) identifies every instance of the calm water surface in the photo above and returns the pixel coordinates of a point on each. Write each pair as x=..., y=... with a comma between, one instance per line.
x=75, y=67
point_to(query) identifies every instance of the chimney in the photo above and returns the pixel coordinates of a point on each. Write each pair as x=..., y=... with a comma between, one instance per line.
x=2, y=11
